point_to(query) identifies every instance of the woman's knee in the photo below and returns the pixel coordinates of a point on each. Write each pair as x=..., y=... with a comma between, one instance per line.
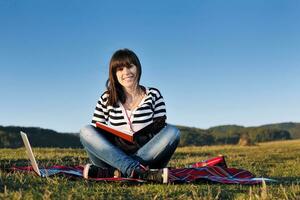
x=86, y=132
x=173, y=133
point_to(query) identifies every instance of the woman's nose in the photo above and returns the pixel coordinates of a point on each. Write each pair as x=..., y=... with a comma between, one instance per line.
x=125, y=70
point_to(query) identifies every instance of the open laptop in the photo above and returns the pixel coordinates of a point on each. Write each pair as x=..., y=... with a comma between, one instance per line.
x=40, y=172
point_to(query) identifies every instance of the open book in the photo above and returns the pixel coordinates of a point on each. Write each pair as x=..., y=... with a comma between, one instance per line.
x=126, y=135
x=153, y=128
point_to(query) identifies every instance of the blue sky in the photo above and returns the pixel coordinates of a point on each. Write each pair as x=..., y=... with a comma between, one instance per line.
x=215, y=62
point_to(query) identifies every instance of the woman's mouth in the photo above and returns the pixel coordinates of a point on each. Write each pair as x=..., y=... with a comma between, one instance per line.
x=128, y=78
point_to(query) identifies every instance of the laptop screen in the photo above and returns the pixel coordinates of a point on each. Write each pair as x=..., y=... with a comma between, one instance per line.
x=30, y=153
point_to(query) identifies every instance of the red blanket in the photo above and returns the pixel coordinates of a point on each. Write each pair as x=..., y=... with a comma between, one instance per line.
x=213, y=170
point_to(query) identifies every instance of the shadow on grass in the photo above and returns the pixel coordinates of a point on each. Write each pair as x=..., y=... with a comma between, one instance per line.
x=7, y=164
x=287, y=181
x=1, y=186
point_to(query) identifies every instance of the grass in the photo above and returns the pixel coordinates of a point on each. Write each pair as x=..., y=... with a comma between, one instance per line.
x=278, y=160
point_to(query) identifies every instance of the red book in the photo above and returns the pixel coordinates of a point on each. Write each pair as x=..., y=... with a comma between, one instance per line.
x=126, y=135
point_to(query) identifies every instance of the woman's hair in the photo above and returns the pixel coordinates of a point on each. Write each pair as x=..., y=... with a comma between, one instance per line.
x=121, y=58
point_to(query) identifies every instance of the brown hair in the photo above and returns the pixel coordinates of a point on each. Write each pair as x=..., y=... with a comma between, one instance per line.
x=121, y=58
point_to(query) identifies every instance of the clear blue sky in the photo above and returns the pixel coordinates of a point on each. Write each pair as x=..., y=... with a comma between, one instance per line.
x=215, y=62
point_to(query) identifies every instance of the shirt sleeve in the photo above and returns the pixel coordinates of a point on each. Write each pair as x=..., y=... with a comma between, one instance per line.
x=159, y=105
x=101, y=113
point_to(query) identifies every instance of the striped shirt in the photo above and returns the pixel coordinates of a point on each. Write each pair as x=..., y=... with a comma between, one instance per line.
x=151, y=107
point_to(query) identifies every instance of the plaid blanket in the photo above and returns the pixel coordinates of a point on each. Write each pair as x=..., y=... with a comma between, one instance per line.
x=213, y=170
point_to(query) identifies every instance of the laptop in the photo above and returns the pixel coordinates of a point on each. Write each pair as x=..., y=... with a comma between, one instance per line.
x=40, y=172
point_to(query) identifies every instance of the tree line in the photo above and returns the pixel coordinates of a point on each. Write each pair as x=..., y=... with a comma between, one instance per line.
x=231, y=134
x=228, y=134
x=38, y=137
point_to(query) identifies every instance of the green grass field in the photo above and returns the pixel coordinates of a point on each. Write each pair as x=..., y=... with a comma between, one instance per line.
x=277, y=160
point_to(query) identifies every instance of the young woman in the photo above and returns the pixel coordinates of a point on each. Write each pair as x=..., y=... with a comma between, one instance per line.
x=127, y=105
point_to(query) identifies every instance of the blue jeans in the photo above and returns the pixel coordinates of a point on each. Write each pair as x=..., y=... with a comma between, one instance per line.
x=156, y=153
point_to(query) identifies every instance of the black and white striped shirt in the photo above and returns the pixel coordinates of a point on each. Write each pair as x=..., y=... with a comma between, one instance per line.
x=151, y=107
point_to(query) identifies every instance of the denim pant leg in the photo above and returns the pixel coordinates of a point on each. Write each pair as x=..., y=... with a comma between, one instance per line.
x=98, y=146
x=158, y=151
x=96, y=161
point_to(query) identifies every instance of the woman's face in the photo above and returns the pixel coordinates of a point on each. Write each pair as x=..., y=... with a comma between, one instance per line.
x=127, y=76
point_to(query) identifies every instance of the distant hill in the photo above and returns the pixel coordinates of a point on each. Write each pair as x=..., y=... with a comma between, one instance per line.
x=231, y=134
x=225, y=134
x=293, y=128
x=38, y=137
x=225, y=128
